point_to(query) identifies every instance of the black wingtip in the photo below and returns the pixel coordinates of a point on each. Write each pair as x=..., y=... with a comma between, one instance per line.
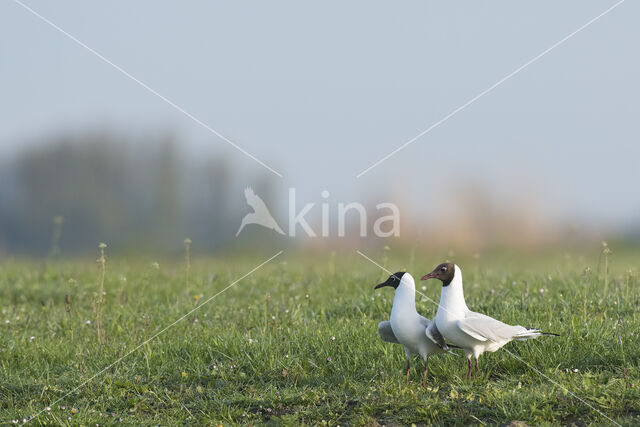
x=543, y=332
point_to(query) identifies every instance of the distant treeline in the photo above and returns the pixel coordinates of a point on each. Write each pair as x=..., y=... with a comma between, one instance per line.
x=131, y=195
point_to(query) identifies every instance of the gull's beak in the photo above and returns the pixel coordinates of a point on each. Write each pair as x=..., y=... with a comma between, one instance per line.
x=431, y=275
x=381, y=285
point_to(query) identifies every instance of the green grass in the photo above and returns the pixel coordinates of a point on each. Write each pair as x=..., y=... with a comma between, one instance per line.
x=296, y=342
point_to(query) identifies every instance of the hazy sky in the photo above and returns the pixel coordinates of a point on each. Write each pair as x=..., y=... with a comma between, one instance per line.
x=321, y=91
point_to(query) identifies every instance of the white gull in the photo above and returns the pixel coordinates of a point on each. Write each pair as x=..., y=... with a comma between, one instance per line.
x=416, y=333
x=474, y=332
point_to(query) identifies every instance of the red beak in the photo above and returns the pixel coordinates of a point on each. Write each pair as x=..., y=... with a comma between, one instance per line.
x=428, y=276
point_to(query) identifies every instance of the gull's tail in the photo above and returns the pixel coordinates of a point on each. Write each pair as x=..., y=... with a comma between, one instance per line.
x=528, y=334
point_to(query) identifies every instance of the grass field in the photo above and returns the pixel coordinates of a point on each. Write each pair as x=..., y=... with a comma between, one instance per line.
x=296, y=342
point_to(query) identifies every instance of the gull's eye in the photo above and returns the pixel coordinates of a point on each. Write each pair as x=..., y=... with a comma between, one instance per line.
x=443, y=269
x=394, y=278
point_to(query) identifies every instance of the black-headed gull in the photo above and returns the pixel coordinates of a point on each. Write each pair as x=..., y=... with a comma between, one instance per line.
x=416, y=333
x=474, y=332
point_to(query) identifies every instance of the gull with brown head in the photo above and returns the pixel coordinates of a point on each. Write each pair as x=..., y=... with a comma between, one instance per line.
x=474, y=332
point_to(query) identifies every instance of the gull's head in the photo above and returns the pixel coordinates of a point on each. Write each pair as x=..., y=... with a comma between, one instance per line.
x=400, y=278
x=445, y=272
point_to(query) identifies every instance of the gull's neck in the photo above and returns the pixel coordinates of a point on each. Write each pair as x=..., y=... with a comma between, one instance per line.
x=452, y=305
x=404, y=301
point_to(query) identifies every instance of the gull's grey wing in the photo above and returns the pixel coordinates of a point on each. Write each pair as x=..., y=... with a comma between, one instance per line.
x=386, y=333
x=432, y=332
x=485, y=328
x=434, y=335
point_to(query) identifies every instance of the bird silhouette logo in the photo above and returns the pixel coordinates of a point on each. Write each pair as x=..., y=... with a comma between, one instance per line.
x=260, y=214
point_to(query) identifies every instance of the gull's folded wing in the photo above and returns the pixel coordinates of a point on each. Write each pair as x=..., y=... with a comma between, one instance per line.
x=485, y=328
x=386, y=333
x=466, y=326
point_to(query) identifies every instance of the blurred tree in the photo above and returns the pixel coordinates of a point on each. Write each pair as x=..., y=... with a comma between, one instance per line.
x=133, y=195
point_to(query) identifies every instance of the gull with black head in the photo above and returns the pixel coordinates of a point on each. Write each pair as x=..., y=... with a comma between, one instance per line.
x=474, y=332
x=416, y=333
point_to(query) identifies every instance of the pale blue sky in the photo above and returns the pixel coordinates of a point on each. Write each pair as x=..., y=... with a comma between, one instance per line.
x=322, y=91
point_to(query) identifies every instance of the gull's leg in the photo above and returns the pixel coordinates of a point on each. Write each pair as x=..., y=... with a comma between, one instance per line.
x=476, y=365
x=470, y=368
x=426, y=371
x=408, y=367
x=407, y=354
